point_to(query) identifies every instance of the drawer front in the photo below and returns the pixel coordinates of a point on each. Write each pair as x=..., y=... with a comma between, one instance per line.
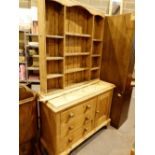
x=75, y=117
x=72, y=138
x=67, y=128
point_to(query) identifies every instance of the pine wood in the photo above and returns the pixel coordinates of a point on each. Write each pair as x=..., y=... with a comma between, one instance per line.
x=72, y=31
x=71, y=117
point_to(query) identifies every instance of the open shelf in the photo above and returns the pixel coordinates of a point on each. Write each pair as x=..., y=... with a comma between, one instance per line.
x=33, y=76
x=76, y=77
x=76, y=63
x=95, y=62
x=95, y=74
x=54, y=47
x=97, y=48
x=77, y=45
x=72, y=70
x=78, y=21
x=54, y=67
x=52, y=76
x=98, y=30
x=54, y=18
x=54, y=83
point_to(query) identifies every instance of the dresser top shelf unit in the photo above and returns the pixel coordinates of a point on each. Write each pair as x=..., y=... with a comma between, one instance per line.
x=70, y=43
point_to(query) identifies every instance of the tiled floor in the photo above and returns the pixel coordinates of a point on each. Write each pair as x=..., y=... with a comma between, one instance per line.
x=111, y=141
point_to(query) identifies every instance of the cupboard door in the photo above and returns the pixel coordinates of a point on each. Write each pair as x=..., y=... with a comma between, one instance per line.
x=103, y=108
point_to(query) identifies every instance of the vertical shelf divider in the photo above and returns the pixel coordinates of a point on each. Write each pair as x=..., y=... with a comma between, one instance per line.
x=42, y=46
x=64, y=46
x=91, y=52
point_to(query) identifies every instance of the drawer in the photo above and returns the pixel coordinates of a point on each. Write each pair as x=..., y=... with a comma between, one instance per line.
x=70, y=127
x=75, y=117
x=89, y=106
x=72, y=138
x=72, y=114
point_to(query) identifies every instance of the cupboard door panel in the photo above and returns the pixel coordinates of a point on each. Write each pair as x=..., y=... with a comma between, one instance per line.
x=103, y=108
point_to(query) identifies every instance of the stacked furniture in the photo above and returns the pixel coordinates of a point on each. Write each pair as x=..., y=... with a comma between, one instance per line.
x=74, y=102
x=29, y=57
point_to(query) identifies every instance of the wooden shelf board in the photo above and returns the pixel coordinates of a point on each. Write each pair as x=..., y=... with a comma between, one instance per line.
x=33, y=80
x=32, y=34
x=32, y=46
x=96, y=55
x=95, y=68
x=34, y=56
x=54, y=58
x=77, y=54
x=22, y=81
x=55, y=36
x=52, y=76
x=32, y=68
x=75, y=70
x=99, y=40
x=78, y=35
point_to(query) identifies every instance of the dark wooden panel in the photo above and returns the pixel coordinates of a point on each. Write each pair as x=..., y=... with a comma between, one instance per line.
x=27, y=115
x=118, y=60
x=117, y=49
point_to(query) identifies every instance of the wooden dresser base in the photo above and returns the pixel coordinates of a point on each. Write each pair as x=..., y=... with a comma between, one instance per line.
x=66, y=152
x=70, y=118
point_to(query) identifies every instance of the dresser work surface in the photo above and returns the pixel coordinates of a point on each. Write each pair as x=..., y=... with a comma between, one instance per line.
x=70, y=117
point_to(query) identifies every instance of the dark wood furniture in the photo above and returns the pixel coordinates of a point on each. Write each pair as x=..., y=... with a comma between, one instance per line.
x=118, y=63
x=27, y=120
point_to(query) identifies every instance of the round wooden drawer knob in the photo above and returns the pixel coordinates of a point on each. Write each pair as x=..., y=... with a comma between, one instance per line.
x=97, y=111
x=71, y=115
x=88, y=106
x=70, y=127
x=70, y=140
x=85, y=129
x=87, y=118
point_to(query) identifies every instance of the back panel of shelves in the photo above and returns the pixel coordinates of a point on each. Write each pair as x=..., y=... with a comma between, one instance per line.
x=72, y=45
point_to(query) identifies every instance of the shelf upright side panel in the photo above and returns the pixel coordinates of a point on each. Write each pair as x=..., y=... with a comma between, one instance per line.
x=102, y=32
x=42, y=46
x=65, y=27
x=92, y=36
